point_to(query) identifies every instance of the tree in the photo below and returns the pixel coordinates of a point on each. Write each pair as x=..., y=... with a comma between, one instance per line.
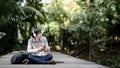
x=12, y=16
x=8, y=23
x=100, y=18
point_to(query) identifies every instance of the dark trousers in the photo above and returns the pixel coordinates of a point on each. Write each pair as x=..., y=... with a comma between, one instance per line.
x=40, y=59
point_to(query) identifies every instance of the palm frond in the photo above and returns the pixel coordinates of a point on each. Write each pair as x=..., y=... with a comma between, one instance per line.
x=21, y=10
x=29, y=9
x=9, y=9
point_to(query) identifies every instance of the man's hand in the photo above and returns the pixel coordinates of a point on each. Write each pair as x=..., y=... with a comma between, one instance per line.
x=40, y=49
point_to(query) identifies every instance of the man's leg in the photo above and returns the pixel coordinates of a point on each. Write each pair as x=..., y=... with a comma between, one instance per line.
x=37, y=59
x=48, y=57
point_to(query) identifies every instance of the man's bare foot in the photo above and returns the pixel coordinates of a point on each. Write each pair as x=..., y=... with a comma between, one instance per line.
x=52, y=62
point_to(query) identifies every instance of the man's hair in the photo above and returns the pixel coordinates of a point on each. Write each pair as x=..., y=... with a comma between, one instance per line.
x=34, y=32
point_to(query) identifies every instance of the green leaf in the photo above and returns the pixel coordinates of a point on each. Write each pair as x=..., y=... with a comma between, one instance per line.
x=2, y=34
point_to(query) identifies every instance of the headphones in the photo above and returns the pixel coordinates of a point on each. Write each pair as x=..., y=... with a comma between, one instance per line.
x=33, y=33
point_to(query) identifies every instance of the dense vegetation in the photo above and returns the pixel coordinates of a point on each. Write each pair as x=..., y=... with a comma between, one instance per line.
x=87, y=29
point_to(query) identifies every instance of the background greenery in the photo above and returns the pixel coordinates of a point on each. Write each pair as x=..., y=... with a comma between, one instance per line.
x=87, y=29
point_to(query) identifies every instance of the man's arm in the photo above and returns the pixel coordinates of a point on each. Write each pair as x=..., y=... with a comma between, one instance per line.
x=30, y=48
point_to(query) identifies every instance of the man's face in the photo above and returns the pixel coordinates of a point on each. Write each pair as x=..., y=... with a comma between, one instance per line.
x=39, y=35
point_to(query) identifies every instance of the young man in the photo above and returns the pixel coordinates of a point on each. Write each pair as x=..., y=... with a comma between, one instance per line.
x=39, y=49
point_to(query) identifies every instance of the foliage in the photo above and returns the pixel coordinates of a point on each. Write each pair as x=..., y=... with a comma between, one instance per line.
x=13, y=15
x=8, y=24
x=99, y=18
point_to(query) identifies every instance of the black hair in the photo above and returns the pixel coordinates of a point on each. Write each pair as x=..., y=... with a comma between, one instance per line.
x=34, y=32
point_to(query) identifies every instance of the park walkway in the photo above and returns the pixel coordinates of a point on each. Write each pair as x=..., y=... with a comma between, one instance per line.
x=69, y=62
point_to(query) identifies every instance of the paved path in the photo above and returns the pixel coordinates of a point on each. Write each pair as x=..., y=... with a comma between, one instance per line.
x=69, y=62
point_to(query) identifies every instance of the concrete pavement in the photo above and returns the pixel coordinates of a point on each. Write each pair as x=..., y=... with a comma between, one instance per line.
x=69, y=62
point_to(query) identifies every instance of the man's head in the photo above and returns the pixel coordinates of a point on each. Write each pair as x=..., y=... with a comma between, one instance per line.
x=36, y=32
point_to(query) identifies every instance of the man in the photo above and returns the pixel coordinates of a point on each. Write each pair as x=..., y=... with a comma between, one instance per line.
x=39, y=49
